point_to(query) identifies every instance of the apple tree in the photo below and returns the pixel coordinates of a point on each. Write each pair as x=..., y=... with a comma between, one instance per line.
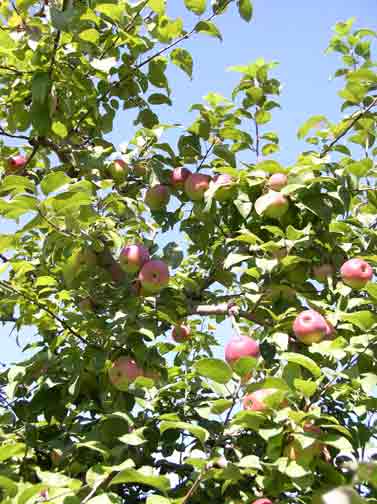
x=122, y=395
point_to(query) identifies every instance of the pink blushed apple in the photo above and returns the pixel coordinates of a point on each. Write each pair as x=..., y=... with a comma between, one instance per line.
x=255, y=400
x=133, y=257
x=225, y=187
x=196, y=185
x=277, y=181
x=181, y=333
x=124, y=371
x=273, y=205
x=154, y=276
x=157, y=197
x=310, y=327
x=263, y=500
x=17, y=163
x=356, y=273
x=241, y=346
x=118, y=170
x=179, y=176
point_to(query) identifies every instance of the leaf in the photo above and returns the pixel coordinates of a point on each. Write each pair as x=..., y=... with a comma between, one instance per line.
x=8, y=451
x=195, y=430
x=134, y=438
x=250, y=462
x=8, y=485
x=112, y=11
x=54, y=181
x=304, y=361
x=59, y=129
x=91, y=35
x=233, y=259
x=6, y=42
x=183, y=59
x=157, y=499
x=364, y=320
x=40, y=87
x=196, y=6
x=342, y=495
x=307, y=388
x=270, y=166
x=263, y=116
x=245, y=8
x=209, y=28
x=104, y=65
x=6, y=242
x=214, y=369
x=158, y=6
x=223, y=152
x=360, y=168
x=220, y=405
x=249, y=420
x=105, y=499
x=143, y=476
x=317, y=122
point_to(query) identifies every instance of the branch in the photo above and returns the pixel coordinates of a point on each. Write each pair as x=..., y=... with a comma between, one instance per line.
x=9, y=135
x=357, y=118
x=223, y=309
x=257, y=140
x=205, y=156
x=193, y=489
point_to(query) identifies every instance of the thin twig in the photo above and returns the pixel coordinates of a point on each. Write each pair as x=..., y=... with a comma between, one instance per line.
x=205, y=157
x=193, y=489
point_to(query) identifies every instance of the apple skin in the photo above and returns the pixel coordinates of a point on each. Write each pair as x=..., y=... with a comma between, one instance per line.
x=140, y=169
x=124, y=371
x=17, y=163
x=157, y=197
x=310, y=327
x=322, y=272
x=196, y=185
x=277, y=181
x=263, y=500
x=255, y=400
x=133, y=257
x=181, y=333
x=241, y=346
x=179, y=176
x=225, y=185
x=277, y=204
x=154, y=276
x=118, y=170
x=356, y=273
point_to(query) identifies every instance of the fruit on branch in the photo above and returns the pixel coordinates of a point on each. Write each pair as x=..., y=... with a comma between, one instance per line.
x=133, y=257
x=154, y=276
x=196, y=185
x=140, y=168
x=241, y=346
x=263, y=500
x=356, y=273
x=157, y=197
x=17, y=163
x=124, y=371
x=273, y=205
x=310, y=327
x=225, y=187
x=118, y=170
x=256, y=400
x=181, y=333
x=322, y=272
x=179, y=176
x=277, y=181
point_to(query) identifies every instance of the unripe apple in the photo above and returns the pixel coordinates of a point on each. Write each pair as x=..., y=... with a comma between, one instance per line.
x=140, y=169
x=225, y=187
x=179, y=176
x=310, y=327
x=273, y=205
x=196, y=185
x=157, y=197
x=263, y=500
x=181, y=333
x=124, y=371
x=154, y=276
x=133, y=257
x=277, y=181
x=118, y=170
x=255, y=400
x=356, y=273
x=322, y=272
x=241, y=346
x=17, y=163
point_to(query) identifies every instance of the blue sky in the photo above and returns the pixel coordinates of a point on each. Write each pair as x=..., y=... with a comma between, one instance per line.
x=294, y=33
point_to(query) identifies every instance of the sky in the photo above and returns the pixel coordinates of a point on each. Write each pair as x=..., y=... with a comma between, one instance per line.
x=294, y=33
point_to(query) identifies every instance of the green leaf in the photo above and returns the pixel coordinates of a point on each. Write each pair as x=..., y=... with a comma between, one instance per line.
x=220, y=405
x=183, y=60
x=233, y=259
x=143, y=476
x=263, y=116
x=245, y=8
x=223, y=152
x=157, y=499
x=270, y=166
x=7, y=242
x=364, y=320
x=196, y=6
x=303, y=361
x=8, y=485
x=250, y=462
x=40, y=87
x=158, y=6
x=249, y=419
x=112, y=11
x=209, y=28
x=54, y=181
x=314, y=122
x=307, y=388
x=105, y=499
x=6, y=42
x=195, y=430
x=59, y=129
x=360, y=168
x=90, y=35
x=215, y=369
x=8, y=451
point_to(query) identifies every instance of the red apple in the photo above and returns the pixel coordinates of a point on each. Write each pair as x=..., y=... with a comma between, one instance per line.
x=255, y=400
x=263, y=500
x=17, y=163
x=356, y=273
x=225, y=187
x=196, y=185
x=277, y=181
x=133, y=257
x=181, y=333
x=310, y=327
x=154, y=276
x=124, y=371
x=118, y=170
x=157, y=197
x=273, y=205
x=179, y=176
x=322, y=272
x=241, y=346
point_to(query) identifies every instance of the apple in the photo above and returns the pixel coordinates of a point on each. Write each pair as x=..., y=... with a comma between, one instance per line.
x=255, y=400
x=322, y=272
x=356, y=273
x=273, y=205
x=277, y=181
x=181, y=333
x=118, y=170
x=263, y=500
x=196, y=185
x=133, y=257
x=154, y=276
x=310, y=327
x=157, y=197
x=124, y=371
x=17, y=163
x=179, y=176
x=241, y=346
x=225, y=187
x=140, y=169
